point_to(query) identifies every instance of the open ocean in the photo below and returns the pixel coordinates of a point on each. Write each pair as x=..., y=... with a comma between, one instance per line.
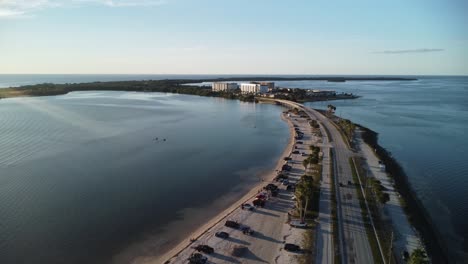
x=424, y=124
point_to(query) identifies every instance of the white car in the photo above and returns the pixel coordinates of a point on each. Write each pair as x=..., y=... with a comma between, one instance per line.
x=298, y=223
x=247, y=207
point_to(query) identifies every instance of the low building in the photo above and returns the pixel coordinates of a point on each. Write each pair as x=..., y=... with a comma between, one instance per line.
x=270, y=85
x=320, y=93
x=223, y=87
x=253, y=88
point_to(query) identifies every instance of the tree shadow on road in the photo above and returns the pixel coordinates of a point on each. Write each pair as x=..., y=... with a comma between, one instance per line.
x=238, y=241
x=251, y=256
x=266, y=213
x=225, y=258
x=267, y=238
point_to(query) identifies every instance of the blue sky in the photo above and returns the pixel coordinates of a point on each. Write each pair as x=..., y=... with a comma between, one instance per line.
x=234, y=37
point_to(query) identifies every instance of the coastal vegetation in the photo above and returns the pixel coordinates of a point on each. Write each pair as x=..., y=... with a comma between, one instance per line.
x=307, y=194
x=418, y=257
x=163, y=86
x=378, y=190
x=180, y=86
x=411, y=205
x=375, y=200
x=366, y=217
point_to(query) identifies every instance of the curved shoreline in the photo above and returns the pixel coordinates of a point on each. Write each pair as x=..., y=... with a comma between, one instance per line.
x=267, y=176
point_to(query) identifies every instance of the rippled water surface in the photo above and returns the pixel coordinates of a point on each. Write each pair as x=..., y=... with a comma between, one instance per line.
x=83, y=177
x=423, y=123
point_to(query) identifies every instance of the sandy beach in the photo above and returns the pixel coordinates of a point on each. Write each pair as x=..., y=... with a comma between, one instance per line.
x=201, y=230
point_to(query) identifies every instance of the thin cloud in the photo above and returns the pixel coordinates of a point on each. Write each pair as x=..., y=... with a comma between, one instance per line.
x=18, y=8
x=408, y=51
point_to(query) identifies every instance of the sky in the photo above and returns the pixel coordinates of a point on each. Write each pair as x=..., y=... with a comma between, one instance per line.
x=398, y=37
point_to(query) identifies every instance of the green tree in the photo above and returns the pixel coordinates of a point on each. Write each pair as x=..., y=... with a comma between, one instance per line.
x=304, y=190
x=418, y=257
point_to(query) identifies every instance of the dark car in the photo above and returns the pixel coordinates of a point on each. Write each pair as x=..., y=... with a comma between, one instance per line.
x=222, y=235
x=281, y=177
x=247, y=231
x=299, y=142
x=291, y=247
x=258, y=202
x=290, y=187
x=197, y=258
x=287, y=158
x=270, y=187
x=204, y=248
x=233, y=224
x=350, y=183
x=296, y=152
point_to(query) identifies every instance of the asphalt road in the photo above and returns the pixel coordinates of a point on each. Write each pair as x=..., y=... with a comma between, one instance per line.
x=324, y=237
x=351, y=225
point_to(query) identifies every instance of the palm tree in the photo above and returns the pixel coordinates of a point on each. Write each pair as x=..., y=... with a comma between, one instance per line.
x=418, y=257
x=303, y=194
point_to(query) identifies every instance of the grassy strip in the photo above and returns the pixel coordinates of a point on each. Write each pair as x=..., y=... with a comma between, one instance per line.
x=370, y=233
x=336, y=240
x=342, y=133
x=384, y=228
x=308, y=240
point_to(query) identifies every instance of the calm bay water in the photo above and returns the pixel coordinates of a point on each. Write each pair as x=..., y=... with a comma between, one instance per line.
x=83, y=178
x=54, y=173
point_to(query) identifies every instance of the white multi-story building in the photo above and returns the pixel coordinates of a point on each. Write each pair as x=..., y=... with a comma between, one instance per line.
x=254, y=88
x=222, y=86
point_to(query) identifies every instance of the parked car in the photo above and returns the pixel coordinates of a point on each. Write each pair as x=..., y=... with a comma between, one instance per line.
x=285, y=182
x=247, y=207
x=292, y=247
x=298, y=223
x=296, y=151
x=270, y=187
x=350, y=183
x=299, y=142
x=259, y=202
x=274, y=193
x=204, y=248
x=304, y=154
x=232, y=224
x=197, y=258
x=290, y=187
x=247, y=231
x=341, y=184
x=222, y=235
x=287, y=158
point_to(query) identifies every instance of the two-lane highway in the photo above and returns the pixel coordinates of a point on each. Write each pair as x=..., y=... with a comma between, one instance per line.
x=352, y=230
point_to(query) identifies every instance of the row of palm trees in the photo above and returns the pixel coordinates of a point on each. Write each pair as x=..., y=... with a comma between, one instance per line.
x=306, y=186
